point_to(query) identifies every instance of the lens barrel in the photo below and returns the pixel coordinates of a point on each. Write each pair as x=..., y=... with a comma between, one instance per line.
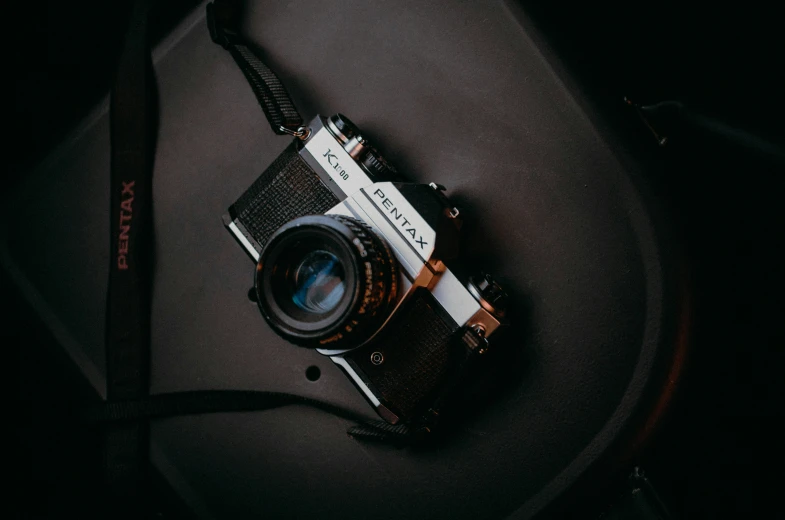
x=325, y=281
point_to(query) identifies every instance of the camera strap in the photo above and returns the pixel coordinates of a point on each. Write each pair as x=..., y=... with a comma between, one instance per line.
x=199, y=402
x=223, y=20
x=132, y=120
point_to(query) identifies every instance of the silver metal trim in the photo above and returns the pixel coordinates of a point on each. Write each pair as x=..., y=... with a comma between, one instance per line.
x=485, y=304
x=335, y=132
x=454, y=298
x=484, y=320
x=336, y=168
x=244, y=241
x=402, y=208
x=341, y=362
x=397, y=231
x=355, y=147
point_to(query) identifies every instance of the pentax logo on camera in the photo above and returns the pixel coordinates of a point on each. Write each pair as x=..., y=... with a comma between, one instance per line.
x=126, y=216
x=404, y=217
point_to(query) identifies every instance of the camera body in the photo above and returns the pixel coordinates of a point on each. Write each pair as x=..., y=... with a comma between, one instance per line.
x=352, y=261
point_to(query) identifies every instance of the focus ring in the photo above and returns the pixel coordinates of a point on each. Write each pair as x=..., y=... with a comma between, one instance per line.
x=378, y=285
x=366, y=277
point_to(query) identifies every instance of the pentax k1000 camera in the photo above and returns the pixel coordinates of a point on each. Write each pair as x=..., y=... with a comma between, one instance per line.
x=353, y=262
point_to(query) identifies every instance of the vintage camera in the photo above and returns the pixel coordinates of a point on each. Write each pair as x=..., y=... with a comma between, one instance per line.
x=352, y=261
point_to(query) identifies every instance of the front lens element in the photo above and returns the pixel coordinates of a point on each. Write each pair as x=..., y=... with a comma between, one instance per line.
x=317, y=286
x=319, y=282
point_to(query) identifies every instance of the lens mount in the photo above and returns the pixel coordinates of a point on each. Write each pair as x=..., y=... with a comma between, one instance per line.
x=325, y=280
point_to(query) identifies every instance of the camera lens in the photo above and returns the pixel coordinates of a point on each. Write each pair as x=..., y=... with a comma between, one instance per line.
x=319, y=282
x=325, y=280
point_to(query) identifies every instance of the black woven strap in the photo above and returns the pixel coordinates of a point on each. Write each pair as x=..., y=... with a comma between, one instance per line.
x=223, y=20
x=131, y=411
x=383, y=432
x=132, y=120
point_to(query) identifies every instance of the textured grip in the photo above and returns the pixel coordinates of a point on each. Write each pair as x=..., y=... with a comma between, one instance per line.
x=287, y=189
x=418, y=352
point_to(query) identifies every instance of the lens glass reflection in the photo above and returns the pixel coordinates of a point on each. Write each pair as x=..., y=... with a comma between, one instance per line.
x=319, y=282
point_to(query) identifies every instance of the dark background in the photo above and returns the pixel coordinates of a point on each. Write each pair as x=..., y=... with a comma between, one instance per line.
x=719, y=450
